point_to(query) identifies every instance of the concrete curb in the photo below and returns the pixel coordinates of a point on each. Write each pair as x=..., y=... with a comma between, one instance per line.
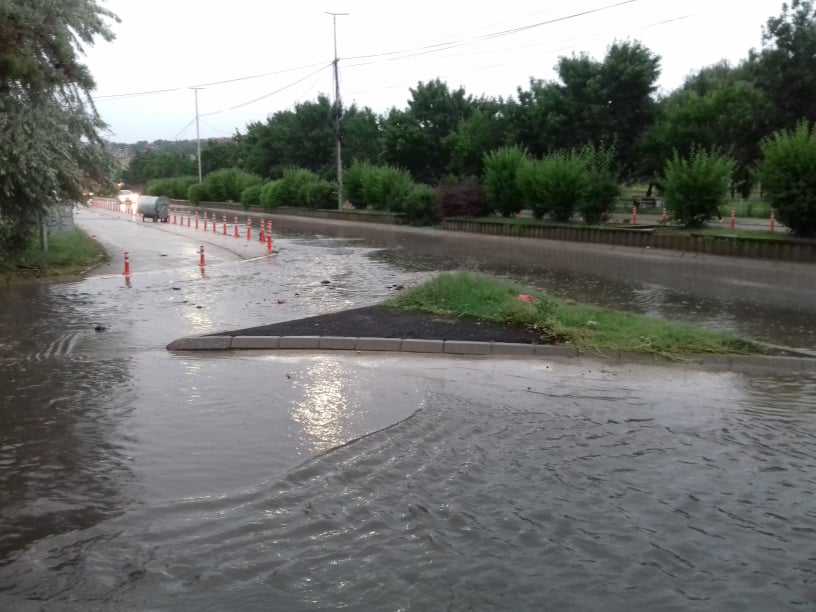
x=755, y=364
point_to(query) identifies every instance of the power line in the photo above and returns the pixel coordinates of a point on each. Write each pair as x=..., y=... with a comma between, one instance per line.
x=445, y=46
x=210, y=84
x=402, y=54
x=267, y=95
x=184, y=129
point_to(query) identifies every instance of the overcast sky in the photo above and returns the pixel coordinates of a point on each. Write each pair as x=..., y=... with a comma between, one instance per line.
x=178, y=43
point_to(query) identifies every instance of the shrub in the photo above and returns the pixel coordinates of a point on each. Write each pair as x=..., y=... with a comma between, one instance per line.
x=197, y=193
x=226, y=185
x=695, y=187
x=353, y=184
x=421, y=207
x=378, y=187
x=462, y=199
x=294, y=185
x=319, y=194
x=602, y=189
x=501, y=179
x=555, y=185
x=175, y=187
x=788, y=175
x=251, y=196
x=270, y=194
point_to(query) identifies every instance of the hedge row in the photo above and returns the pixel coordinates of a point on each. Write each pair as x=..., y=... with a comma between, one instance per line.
x=175, y=187
x=224, y=185
x=558, y=185
x=388, y=188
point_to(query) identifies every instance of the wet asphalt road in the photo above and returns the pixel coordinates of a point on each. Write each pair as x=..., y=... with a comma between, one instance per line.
x=133, y=479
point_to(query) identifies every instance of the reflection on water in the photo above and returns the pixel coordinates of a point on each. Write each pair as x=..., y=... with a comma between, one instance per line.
x=323, y=412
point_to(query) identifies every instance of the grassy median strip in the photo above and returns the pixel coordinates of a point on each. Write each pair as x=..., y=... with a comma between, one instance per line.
x=69, y=253
x=590, y=328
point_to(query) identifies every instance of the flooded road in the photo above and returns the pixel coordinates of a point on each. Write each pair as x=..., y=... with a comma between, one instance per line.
x=134, y=479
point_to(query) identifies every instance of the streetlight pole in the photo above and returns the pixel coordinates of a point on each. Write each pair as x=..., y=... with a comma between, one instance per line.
x=198, y=134
x=338, y=112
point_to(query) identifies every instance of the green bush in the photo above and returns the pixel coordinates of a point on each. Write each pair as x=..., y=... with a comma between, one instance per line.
x=353, y=179
x=788, y=175
x=251, y=196
x=378, y=187
x=294, y=186
x=501, y=169
x=175, y=187
x=695, y=187
x=319, y=194
x=226, y=185
x=198, y=193
x=603, y=188
x=270, y=195
x=555, y=185
x=421, y=207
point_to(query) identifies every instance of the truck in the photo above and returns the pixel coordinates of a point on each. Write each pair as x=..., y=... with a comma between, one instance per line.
x=154, y=207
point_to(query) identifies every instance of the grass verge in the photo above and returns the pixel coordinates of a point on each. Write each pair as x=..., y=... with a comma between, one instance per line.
x=587, y=327
x=69, y=253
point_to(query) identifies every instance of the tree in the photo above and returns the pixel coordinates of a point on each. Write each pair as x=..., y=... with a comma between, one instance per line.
x=788, y=173
x=785, y=67
x=696, y=186
x=218, y=154
x=486, y=129
x=153, y=164
x=305, y=137
x=418, y=137
x=609, y=102
x=50, y=148
x=627, y=81
x=731, y=115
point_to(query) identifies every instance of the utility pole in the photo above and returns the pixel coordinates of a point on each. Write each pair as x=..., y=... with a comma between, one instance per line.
x=198, y=134
x=338, y=112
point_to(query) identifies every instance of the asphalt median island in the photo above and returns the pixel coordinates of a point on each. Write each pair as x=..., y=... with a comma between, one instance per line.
x=465, y=314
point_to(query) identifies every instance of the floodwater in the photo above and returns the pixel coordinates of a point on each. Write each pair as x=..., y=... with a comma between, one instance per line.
x=765, y=300
x=135, y=479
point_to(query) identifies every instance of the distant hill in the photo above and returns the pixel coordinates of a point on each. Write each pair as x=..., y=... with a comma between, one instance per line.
x=123, y=152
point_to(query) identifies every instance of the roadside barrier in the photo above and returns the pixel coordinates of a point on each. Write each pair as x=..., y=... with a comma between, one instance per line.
x=215, y=229
x=269, y=243
x=235, y=232
x=127, y=265
x=201, y=261
x=225, y=225
x=733, y=219
x=188, y=220
x=249, y=228
x=262, y=235
x=772, y=223
x=196, y=221
x=205, y=220
x=634, y=215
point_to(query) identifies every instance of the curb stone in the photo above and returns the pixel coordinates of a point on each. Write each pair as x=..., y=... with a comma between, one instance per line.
x=752, y=364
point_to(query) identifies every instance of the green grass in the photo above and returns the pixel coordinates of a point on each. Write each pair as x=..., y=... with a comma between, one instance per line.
x=68, y=253
x=588, y=327
x=747, y=208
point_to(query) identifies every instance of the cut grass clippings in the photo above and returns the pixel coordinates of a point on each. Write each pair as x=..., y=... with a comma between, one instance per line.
x=69, y=253
x=589, y=328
